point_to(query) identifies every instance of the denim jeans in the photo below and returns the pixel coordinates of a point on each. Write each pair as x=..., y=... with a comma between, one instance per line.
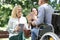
x=34, y=33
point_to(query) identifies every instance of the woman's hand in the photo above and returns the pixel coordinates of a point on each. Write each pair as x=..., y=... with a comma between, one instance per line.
x=17, y=29
x=29, y=22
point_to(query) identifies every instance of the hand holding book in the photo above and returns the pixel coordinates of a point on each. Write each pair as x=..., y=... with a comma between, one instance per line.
x=19, y=27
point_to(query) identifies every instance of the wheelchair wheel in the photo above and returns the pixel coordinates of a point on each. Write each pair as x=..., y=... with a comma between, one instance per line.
x=49, y=36
x=44, y=29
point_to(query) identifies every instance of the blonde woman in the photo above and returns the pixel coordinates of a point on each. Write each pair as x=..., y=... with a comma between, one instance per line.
x=13, y=24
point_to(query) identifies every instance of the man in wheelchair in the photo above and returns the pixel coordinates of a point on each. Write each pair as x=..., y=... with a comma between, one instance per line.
x=44, y=16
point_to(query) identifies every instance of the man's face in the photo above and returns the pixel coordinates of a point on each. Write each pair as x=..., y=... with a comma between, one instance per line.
x=39, y=2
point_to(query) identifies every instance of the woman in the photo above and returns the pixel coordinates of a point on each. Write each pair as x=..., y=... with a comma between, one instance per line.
x=13, y=25
x=32, y=16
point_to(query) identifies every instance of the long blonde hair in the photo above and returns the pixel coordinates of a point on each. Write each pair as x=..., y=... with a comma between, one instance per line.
x=14, y=11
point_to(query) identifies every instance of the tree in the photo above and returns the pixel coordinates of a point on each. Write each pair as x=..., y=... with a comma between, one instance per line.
x=6, y=7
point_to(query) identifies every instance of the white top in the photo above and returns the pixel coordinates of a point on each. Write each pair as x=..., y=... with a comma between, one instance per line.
x=13, y=22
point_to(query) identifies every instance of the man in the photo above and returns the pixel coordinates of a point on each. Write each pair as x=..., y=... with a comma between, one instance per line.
x=44, y=16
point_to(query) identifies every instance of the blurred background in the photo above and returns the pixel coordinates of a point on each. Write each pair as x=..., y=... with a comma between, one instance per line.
x=6, y=7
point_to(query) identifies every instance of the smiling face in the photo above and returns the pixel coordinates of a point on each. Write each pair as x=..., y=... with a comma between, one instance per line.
x=19, y=12
x=34, y=11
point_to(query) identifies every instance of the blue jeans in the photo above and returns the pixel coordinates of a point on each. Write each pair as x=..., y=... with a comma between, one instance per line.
x=34, y=33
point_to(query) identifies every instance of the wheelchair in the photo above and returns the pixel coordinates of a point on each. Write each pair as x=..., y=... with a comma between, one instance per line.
x=49, y=33
x=46, y=32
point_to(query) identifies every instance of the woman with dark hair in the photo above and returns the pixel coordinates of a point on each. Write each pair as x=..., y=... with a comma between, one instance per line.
x=32, y=16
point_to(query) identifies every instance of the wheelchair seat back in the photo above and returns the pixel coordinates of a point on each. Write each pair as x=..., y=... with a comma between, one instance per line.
x=44, y=29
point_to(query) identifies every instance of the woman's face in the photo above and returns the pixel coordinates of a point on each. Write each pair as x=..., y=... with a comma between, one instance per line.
x=19, y=12
x=34, y=11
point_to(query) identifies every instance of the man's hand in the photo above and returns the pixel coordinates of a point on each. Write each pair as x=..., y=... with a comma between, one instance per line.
x=33, y=23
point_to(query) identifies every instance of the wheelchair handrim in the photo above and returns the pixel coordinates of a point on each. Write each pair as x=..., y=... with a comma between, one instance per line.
x=51, y=34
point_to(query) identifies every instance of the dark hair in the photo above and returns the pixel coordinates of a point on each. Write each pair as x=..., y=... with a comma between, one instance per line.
x=36, y=9
x=32, y=8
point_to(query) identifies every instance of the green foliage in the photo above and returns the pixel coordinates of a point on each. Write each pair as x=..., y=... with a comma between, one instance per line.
x=7, y=6
x=4, y=15
x=55, y=5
